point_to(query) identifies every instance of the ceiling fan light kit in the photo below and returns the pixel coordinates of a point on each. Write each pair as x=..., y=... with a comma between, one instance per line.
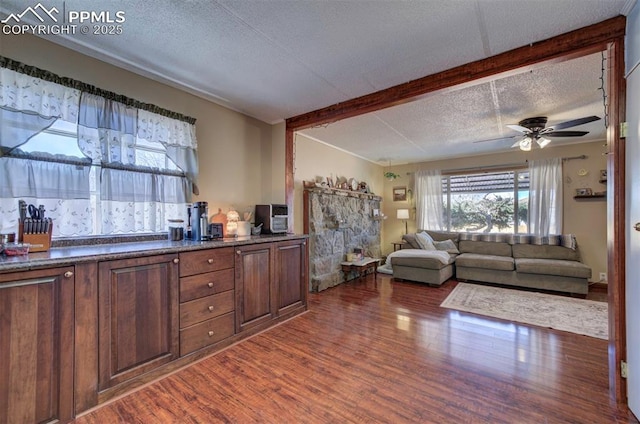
x=536, y=129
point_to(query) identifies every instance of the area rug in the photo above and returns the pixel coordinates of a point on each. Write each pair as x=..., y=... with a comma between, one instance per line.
x=545, y=310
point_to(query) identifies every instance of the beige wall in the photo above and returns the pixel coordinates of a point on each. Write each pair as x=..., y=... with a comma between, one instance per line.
x=238, y=165
x=587, y=219
x=314, y=159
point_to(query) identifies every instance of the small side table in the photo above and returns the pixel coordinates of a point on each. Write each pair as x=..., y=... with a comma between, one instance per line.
x=362, y=267
x=397, y=245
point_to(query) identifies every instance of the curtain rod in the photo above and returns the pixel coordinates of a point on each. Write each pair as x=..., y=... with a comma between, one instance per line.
x=505, y=165
x=103, y=165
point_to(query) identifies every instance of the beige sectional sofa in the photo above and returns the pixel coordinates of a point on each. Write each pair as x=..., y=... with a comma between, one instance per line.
x=551, y=263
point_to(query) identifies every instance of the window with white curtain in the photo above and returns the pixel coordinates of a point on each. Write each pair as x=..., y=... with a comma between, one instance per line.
x=97, y=165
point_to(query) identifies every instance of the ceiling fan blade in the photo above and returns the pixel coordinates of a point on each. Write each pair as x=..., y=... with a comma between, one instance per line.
x=573, y=123
x=519, y=128
x=516, y=144
x=566, y=133
x=494, y=139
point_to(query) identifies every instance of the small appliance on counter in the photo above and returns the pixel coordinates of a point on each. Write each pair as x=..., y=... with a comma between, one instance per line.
x=273, y=218
x=199, y=221
x=216, y=230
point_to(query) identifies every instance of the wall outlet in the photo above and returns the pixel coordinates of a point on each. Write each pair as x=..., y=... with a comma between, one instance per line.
x=603, y=276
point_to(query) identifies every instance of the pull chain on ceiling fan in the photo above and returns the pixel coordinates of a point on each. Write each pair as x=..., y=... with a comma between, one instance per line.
x=535, y=129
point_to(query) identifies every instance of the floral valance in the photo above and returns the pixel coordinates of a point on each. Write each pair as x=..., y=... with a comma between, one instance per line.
x=42, y=74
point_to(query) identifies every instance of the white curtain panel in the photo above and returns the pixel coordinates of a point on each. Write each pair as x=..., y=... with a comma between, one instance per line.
x=178, y=137
x=429, y=206
x=30, y=94
x=107, y=130
x=545, y=197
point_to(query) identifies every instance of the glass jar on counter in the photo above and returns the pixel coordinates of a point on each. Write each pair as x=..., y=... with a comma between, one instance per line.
x=176, y=229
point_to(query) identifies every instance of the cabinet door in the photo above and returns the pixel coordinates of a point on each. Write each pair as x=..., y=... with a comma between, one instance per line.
x=138, y=316
x=290, y=274
x=36, y=346
x=254, y=274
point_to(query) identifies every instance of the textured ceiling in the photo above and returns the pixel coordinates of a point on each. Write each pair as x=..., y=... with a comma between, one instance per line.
x=280, y=58
x=450, y=124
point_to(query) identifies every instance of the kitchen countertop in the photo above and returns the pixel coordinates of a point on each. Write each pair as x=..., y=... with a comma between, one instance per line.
x=64, y=256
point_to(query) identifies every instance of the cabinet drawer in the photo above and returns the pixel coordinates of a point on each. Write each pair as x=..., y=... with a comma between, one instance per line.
x=205, y=308
x=201, y=285
x=206, y=333
x=201, y=261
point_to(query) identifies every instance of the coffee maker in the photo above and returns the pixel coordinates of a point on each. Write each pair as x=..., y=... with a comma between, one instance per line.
x=199, y=221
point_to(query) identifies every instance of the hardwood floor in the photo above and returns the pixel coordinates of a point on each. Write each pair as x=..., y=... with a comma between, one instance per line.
x=384, y=351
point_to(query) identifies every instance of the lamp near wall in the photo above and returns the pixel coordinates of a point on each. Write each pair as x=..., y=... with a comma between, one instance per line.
x=403, y=214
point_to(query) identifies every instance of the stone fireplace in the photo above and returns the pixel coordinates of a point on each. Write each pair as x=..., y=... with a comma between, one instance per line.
x=338, y=221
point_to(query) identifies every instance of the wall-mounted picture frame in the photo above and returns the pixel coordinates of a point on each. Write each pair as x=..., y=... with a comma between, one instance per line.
x=400, y=194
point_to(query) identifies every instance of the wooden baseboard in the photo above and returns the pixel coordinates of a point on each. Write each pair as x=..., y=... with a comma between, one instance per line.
x=598, y=287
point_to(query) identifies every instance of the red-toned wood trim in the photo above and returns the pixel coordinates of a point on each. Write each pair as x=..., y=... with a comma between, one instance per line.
x=616, y=256
x=288, y=174
x=575, y=43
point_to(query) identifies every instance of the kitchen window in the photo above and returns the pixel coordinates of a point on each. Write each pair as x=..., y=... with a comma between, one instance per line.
x=97, y=162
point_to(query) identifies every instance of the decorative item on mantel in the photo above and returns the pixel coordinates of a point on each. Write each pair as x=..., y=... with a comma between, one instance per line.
x=341, y=183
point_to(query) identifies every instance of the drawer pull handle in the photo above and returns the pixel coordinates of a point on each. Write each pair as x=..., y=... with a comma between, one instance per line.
x=210, y=333
x=176, y=260
x=210, y=308
x=210, y=261
x=210, y=285
x=68, y=274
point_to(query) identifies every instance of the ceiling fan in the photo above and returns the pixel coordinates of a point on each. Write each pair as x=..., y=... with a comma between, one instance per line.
x=535, y=129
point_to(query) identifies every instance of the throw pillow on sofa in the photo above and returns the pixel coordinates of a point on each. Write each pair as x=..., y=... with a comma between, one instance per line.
x=447, y=245
x=411, y=240
x=425, y=241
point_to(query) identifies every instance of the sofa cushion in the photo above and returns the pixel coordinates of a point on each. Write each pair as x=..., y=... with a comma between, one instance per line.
x=485, y=247
x=418, y=262
x=474, y=260
x=553, y=267
x=411, y=240
x=447, y=245
x=444, y=235
x=545, y=252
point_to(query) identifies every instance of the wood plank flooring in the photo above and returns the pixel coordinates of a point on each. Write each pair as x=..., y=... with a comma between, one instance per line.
x=385, y=352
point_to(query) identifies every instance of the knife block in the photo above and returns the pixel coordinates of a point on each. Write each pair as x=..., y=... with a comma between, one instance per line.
x=40, y=242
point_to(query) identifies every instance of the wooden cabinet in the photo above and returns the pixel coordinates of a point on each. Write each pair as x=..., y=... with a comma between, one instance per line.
x=137, y=316
x=254, y=288
x=290, y=275
x=36, y=346
x=207, y=300
x=74, y=337
x=270, y=281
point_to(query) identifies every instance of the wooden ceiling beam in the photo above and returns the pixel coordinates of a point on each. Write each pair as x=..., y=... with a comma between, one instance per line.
x=576, y=43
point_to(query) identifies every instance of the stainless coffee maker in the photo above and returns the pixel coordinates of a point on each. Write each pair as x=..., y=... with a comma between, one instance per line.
x=199, y=221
